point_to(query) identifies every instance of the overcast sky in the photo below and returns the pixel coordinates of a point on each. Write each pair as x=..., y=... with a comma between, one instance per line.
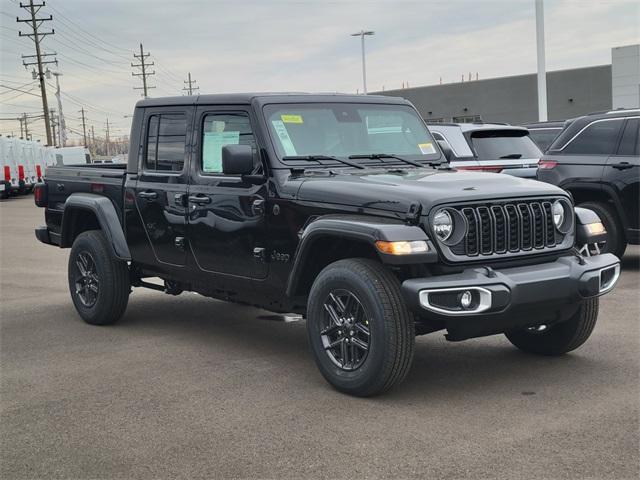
x=235, y=46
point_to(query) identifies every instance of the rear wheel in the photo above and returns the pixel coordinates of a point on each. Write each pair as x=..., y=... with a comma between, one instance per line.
x=616, y=242
x=560, y=338
x=360, y=330
x=98, y=282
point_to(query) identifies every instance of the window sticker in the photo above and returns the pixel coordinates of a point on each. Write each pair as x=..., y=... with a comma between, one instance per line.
x=212, y=149
x=292, y=118
x=426, y=148
x=283, y=136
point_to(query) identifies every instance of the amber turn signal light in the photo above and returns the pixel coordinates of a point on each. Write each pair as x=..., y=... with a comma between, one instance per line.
x=403, y=247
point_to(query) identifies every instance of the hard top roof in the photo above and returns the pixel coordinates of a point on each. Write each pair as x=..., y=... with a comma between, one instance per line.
x=265, y=98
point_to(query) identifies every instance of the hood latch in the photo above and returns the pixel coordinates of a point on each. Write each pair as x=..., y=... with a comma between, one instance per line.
x=412, y=217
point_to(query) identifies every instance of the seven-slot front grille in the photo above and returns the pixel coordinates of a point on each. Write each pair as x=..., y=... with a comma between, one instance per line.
x=509, y=227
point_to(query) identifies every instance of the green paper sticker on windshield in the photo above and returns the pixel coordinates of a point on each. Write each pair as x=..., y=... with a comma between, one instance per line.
x=427, y=148
x=283, y=136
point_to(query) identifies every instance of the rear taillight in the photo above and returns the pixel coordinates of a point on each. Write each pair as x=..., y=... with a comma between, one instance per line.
x=40, y=194
x=20, y=172
x=547, y=164
x=482, y=168
x=7, y=173
x=39, y=171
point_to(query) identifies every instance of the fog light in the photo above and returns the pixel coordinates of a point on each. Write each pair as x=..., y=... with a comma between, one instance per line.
x=595, y=228
x=465, y=299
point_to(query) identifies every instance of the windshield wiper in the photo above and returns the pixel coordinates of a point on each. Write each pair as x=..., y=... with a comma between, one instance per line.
x=376, y=156
x=322, y=157
x=511, y=155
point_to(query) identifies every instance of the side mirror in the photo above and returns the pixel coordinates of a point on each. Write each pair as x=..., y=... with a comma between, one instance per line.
x=444, y=146
x=237, y=160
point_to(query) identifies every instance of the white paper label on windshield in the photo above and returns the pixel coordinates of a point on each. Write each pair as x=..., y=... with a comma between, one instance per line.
x=427, y=148
x=283, y=136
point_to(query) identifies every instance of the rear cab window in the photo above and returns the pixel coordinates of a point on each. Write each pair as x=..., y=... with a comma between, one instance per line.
x=165, y=142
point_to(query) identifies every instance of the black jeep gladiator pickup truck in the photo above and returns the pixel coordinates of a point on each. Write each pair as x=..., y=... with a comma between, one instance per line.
x=341, y=208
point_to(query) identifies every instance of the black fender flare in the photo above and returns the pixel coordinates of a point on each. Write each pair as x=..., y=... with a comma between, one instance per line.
x=359, y=228
x=106, y=215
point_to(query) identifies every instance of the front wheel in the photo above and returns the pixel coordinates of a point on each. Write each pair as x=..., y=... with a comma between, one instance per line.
x=559, y=338
x=98, y=282
x=360, y=329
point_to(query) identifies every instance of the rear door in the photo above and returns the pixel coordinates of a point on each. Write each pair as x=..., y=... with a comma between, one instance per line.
x=161, y=187
x=622, y=171
x=226, y=214
x=583, y=157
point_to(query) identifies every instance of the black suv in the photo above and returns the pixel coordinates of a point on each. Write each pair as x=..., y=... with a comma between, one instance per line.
x=337, y=207
x=597, y=159
x=544, y=133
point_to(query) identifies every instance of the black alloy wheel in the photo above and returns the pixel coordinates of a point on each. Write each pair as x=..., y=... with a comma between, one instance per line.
x=86, y=279
x=345, y=332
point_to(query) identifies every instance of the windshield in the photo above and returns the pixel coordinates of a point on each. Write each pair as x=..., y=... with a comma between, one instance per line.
x=504, y=144
x=346, y=129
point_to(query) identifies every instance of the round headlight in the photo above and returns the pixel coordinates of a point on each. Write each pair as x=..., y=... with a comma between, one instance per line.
x=443, y=224
x=558, y=214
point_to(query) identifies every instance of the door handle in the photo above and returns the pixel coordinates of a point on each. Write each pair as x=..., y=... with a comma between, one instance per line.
x=622, y=165
x=200, y=199
x=148, y=195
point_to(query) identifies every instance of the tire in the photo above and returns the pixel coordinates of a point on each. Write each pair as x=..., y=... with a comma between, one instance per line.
x=383, y=313
x=562, y=337
x=107, y=274
x=616, y=241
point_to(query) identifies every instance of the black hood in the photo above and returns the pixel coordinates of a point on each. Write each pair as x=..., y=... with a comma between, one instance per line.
x=396, y=191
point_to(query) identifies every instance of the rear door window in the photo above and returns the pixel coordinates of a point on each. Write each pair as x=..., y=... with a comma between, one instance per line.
x=504, y=145
x=166, y=140
x=599, y=138
x=630, y=142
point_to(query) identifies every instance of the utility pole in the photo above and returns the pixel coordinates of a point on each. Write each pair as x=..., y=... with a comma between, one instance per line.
x=107, y=139
x=21, y=119
x=26, y=127
x=84, y=128
x=143, y=65
x=362, y=34
x=62, y=128
x=542, y=71
x=52, y=112
x=190, y=88
x=36, y=36
x=93, y=141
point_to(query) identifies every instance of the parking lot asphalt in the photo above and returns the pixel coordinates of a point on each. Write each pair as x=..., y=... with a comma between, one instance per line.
x=189, y=387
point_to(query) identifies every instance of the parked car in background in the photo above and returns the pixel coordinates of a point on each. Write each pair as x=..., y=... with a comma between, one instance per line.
x=72, y=156
x=597, y=159
x=10, y=183
x=544, y=133
x=26, y=165
x=488, y=147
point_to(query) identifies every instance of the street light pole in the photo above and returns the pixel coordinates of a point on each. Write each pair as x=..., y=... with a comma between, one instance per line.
x=362, y=34
x=542, y=71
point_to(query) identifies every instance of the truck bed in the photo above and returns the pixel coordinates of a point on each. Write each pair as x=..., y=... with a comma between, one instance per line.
x=62, y=181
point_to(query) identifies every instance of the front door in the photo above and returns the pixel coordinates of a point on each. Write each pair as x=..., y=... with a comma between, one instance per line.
x=161, y=187
x=226, y=214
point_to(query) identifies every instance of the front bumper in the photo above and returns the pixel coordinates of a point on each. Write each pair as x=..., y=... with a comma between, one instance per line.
x=512, y=298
